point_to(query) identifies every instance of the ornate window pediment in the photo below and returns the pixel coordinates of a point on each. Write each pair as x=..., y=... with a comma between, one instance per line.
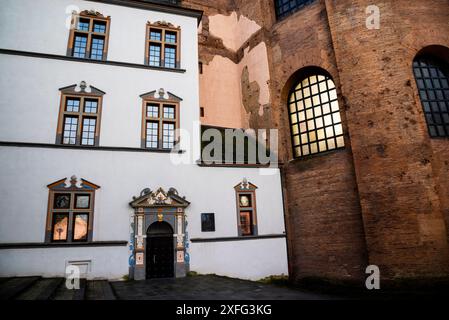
x=159, y=198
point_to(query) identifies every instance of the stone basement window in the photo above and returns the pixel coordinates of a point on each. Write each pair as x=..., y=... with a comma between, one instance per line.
x=89, y=36
x=162, y=45
x=314, y=115
x=432, y=79
x=285, y=8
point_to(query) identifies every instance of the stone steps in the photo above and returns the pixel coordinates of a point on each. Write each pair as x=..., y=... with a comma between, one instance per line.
x=37, y=288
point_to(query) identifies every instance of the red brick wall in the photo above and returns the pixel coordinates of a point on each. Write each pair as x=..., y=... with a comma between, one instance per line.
x=384, y=199
x=394, y=158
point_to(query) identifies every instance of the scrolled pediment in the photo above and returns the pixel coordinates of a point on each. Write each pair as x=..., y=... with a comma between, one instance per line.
x=159, y=198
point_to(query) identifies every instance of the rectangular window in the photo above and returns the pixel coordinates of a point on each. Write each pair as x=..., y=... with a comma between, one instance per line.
x=90, y=106
x=162, y=45
x=246, y=223
x=90, y=36
x=207, y=222
x=62, y=201
x=170, y=57
x=80, y=116
x=72, y=105
x=82, y=201
x=88, y=135
x=80, y=46
x=83, y=25
x=159, y=123
x=246, y=208
x=152, y=135
x=60, y=226
x=152, y=111
x=80, y=226
x=156, y=35
x=96, y=51
x=99, y=27
x=168, y=138
x=70, y=130
x=155, y=55
x=169, y=112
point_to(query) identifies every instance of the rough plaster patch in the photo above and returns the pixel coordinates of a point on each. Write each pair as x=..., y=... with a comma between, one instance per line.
x=220, y=93
x=233, y=30
x=257, y=62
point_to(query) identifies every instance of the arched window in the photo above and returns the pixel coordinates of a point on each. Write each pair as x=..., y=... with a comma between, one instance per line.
x=432, y=77
x=315, y=116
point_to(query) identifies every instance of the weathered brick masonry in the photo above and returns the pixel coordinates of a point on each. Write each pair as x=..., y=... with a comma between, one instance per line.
x=382, y=200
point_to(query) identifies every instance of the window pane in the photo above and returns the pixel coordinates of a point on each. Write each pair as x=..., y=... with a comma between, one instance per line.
x=431, y=76
x=80, y=226
x=152, y=111
x=79, y=46
x=155, y=55
x=88, y=134
x=82, y=201
x=96, y=51
x=90, y=106
x=156, y=35
x=207, y=222
x=320, y=119
x=60, y=225
x=100, y=27
x=170, y=37
x=170, y=57
x=245, y=200
x=83, y=25
x=61, y=201
x=246, y=223
x=72, y=105
x=152, y=135
x=168, y=135
x=169, y=112
x=70, y=130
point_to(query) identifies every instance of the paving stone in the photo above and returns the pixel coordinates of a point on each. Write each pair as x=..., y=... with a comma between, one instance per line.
x=206, y=288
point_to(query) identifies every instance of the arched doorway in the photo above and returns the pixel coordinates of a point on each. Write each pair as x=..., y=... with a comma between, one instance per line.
x=160, y=258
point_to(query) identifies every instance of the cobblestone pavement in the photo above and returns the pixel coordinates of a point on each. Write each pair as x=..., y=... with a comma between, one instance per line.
x=189, y=288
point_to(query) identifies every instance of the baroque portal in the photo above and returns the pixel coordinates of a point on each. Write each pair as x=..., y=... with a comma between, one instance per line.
x=159, y=235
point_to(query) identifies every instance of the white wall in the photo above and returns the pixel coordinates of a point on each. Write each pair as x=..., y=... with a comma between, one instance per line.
x=106, y=262
x=29, y=104
x=25, y=173
x=248, y=259
x=40, y=26
x=29, y=86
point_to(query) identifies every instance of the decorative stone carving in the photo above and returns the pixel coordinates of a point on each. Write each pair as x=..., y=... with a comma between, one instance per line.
x=165, y=24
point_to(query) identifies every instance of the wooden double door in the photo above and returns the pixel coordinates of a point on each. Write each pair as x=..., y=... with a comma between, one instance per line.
x=160, y=255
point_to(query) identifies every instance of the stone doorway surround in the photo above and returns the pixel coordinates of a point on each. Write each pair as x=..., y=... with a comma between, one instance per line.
x=158, y=206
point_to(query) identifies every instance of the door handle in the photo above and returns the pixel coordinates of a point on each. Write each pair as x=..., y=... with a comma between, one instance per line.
x=154, y=258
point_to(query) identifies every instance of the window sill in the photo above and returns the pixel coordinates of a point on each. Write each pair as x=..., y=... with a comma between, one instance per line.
x=86, y=60
x=34, y=245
